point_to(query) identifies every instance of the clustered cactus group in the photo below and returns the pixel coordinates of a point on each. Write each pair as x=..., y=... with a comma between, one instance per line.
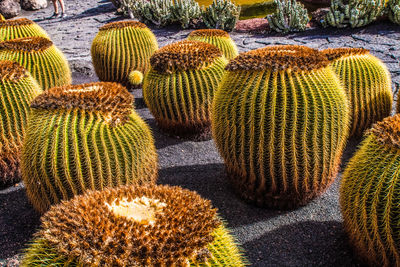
x=290, y=16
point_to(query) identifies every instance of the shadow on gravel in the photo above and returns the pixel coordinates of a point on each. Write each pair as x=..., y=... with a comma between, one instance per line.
x=92, y=12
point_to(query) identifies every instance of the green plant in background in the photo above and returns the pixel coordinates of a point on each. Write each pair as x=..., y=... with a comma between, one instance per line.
x=394, y=11
x=290, y=16
x=180, y=86
x=157, y=12
x=17, y=89
x=219, y=38
x=82, y=137
x=280, y=120
x=134, y=226
x=40, y=57
x=369, y=196
x=367, y=83
x=120, y=48
x=221, y=14
x=354, y=13
x=19, y=28
x=186, y=12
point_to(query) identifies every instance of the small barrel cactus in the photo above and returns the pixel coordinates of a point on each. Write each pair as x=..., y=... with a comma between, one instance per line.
x=83, y=137
x=41, y=58
x=367, y=83
x=394, y=11
x=120, y=48
x=289, y=16
x=180, y=86
x=280, y=120
x=17, y=89
x=19, y=28
x=134, y=226
x=219, y=38
x=369, y=196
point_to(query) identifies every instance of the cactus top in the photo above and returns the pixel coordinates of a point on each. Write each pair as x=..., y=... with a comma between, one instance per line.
x=11, y=71
x=26, y=44
x=122, y=24
x=15, y=22
x=387, y=131
x=279, y=58
x=209, y=32
x=111, y=99
x=132, y=226
x=336, y=53
x=184, y=55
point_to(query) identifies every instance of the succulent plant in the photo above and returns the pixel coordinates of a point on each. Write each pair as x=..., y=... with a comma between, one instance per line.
x=134, y=226
x=40, y=57
x=289, y=16
x=82, y=137
x=157, y=12
x=221, y=14
x=354, y=13
x=367, y=83
x=17, y=89
x=219, y=38
x=19, y=28
x=280, y=120
x=120, y=48
x=394, y=11
x=369, y=195
x=186, y=12
x=180, y=86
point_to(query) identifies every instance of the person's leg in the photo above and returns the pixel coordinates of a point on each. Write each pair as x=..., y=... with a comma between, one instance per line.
x=62, y=6
x=55, y=6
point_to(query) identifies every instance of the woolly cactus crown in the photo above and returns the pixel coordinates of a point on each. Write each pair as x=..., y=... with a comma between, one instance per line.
x=27, y=44
x=209, y=32
x=387, y=131
x=122, y=24
x=336, y=53
x=12, y=71
x=184, y=55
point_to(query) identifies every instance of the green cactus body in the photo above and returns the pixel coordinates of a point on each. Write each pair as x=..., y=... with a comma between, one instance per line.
x=369, y=197
x=180, y=86
x=219, y=38
x=120, y=48
x=221, y=14
x=367, y=83
x=280, y=121
x=17, y=89
x=290, y=16
x=84, y=137
x=41, y=58
x=394, y=11
x=114, y=219
x=20, y=28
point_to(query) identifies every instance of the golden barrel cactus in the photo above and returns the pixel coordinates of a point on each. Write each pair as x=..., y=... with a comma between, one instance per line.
x=120, y=48
x=219, y=38
x=134, y=226
x=17, y=89
x=2, y=18
x=180, y=86
x=41, y=58
x=369, y=195
x=280, y=121
x=19, y=28
x=83, y=137
x=368, y=85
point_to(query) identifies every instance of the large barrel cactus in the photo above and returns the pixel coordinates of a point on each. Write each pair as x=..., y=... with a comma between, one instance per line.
x=180, y=86
x=120, y=48
x=219, y=38
x=41, y=58
x=134, y=226
x=83, y=137
x=367, y=83
x=17, y=89
x=369, y=195
x=19, y=28
x=2, y=18
x=280, y=121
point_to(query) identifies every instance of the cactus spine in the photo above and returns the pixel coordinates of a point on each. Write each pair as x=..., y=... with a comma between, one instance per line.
x=280, y=121
x=181, y=227
x=40, y=57
x=219, y=38
x=19, y=28
x=120, y=48
x=367, y=83
x=17, y=89
x=290, y=16
x=369, y=196
x=180, y=86
x=83, y=137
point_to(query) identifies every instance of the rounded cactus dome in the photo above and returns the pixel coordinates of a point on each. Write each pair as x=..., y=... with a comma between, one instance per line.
x=16, y=22
x=336, y=53
x=184, y=55
x=278, y=58
x=122, y=24
x=387, y=131
x=27, y=44
x=132, y=226
x=209, y=32
x=12, y=71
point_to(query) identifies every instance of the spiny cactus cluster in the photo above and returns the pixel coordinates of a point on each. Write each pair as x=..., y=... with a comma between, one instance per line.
x=289, y=16
x=221, y=14
x=19, y=28
x=354, y=13
x=394, y=11
x=186, y=12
